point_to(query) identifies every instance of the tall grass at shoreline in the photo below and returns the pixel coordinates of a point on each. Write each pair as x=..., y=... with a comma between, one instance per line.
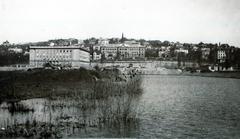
x=100, y=102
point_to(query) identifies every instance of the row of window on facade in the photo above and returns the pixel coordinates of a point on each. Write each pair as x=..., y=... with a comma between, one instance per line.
x=54, y=51
x=55, y=56
x=66, y=63
x=112, y=49
x=124, y=52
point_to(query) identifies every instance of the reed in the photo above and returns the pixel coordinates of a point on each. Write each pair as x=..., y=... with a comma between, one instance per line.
x=99, y=103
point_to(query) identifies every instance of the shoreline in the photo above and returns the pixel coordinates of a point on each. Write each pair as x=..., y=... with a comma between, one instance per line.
x=208, y=74
x=178, y=72
x=234, y=75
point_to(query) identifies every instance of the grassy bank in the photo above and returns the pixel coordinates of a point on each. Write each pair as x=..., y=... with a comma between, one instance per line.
x=46, y=83
x=101, y=98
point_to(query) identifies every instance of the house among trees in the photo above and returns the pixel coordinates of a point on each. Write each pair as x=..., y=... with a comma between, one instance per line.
x=6, y=43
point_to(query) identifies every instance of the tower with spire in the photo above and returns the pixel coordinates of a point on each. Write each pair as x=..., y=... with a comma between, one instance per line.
x=122, y=39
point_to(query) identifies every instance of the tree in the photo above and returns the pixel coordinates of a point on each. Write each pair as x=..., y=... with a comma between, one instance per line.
x=86, y=41
x=212, y=56
x=151, y=53
x=103, y=58
x=166, y=43
x=118, y=56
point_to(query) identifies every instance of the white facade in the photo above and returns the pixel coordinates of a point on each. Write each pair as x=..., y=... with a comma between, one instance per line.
x=97, y=47
x=109, y=51
x=221, y=56
x=103, y=42
x=64, y=56
x=97, y=56
x=15, y=50
x=181, y=50
x=123, y=51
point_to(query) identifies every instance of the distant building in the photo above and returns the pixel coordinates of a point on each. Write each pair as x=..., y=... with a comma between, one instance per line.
x=148, y=47
x=6, y=43
x=131, y=51
x=221, y=56
x=178, y=44
x=80, y=41
x=64, y=56
x=15, y=50
x=92, y=41
x=97, y=56
x=123, y=51
x=195, y=48
x=132, y=42
x=127, y=49
x=110, y=51
x=97, y=47
x=103, y=42
x=181, y=50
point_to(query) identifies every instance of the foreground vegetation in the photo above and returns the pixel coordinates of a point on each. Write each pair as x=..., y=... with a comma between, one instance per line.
x=101, y=97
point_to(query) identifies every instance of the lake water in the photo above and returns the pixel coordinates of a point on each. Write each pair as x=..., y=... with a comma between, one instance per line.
x=170, y=107
x=190, y=107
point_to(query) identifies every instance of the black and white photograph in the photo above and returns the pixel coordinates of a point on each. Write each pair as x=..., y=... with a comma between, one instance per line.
x=164, y=69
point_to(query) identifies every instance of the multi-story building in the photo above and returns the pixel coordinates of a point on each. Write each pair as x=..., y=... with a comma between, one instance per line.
x=123, y=51
x=221, y=56
x=131, y=51
x=101, y=42
x=110, y=51
x=181, y=50
x=15, y=50
x=64, y=56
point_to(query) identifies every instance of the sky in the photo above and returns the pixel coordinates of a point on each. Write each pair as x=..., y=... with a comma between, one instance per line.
x=189, y=21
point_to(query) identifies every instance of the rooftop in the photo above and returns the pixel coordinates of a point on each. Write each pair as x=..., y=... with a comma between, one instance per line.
x=58, y=47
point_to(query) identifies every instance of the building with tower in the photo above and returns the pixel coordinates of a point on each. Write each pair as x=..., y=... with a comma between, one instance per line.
x=124, y=50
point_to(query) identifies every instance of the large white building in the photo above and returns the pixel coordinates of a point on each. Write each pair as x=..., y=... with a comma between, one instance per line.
x=64, y=56
x=123, y=51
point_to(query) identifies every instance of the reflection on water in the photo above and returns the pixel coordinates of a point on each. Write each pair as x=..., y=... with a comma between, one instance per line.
x=68, y=115
x=171, y=107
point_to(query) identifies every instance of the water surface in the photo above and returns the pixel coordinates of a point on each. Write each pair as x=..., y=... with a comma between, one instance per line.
x=190, y=107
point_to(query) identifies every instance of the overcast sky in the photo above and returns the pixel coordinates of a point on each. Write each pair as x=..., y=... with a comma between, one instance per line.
x=189, y=21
